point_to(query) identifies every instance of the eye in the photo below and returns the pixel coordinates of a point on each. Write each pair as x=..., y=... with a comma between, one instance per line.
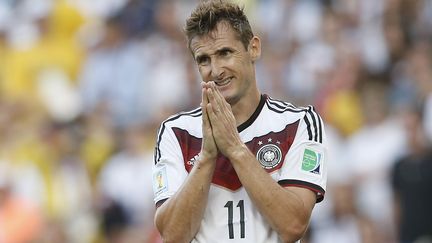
x=225, y=52
x=202, y=60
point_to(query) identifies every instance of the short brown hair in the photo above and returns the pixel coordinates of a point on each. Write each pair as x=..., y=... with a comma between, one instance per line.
x=209, y=13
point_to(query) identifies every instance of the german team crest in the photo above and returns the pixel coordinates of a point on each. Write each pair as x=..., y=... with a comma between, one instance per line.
x=269, y=156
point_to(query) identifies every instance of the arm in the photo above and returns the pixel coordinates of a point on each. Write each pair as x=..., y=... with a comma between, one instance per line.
x=287, y=210
x=179, y=218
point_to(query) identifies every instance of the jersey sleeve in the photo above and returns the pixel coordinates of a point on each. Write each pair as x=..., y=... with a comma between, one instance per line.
x=305, y=163
x=168, y=169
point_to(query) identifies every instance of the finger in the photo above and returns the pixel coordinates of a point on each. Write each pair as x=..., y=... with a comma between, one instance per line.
x=218, y=96
x=204, y=98
x=211, y=113
x=215, y=107
x=206, y=84
x=204, y=103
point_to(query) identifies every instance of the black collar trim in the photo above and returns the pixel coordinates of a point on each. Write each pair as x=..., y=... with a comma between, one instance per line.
x=254, y=116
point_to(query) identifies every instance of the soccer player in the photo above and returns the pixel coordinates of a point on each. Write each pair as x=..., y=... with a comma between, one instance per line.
x=243, y=167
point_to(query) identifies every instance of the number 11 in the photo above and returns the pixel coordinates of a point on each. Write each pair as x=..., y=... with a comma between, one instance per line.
x=240, y=205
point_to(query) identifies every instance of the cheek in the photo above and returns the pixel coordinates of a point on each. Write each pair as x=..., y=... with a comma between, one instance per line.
x=204, y=72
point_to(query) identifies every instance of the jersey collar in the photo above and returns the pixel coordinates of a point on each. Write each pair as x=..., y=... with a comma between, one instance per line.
x=254, y=116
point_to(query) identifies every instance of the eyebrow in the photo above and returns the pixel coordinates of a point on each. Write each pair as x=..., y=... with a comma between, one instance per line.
x=224, y=49
x=218, y=51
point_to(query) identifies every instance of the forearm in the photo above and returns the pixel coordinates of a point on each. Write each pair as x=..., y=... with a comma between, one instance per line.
x=179, y=218
x=284, y=210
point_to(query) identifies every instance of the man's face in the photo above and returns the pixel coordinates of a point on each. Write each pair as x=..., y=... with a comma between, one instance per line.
x=221, y=57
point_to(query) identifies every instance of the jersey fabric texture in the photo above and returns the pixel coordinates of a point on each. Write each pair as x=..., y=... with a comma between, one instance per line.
x=288, y=142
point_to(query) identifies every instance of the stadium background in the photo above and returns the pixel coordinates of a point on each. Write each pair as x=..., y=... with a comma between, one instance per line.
x=84, y=85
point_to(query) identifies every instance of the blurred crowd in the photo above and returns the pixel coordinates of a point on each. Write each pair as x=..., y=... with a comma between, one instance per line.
x=85, y=84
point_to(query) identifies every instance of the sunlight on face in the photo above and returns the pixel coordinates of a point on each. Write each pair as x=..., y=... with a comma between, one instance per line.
x=221, y=57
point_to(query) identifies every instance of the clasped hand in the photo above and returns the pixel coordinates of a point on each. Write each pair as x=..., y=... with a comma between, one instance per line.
x=219, y=124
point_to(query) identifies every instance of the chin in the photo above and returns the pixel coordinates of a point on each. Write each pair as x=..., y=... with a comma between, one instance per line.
x=227, y=94
x=231, y=99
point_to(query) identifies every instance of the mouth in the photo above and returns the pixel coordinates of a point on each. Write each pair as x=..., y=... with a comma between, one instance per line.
x=223, y=82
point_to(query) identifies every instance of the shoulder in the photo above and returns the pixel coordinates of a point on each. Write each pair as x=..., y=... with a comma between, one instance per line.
x=188, y=120
x=308, y=116
x=183, y=118
x=279, y=106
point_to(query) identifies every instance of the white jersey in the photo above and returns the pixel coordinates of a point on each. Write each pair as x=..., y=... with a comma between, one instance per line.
x=287, y=141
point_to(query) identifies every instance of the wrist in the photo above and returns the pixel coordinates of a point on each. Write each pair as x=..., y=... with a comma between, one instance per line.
x=206, y=158
x=238, y=153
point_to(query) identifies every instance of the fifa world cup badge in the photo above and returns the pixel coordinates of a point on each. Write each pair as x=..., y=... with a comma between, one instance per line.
x=160, y=181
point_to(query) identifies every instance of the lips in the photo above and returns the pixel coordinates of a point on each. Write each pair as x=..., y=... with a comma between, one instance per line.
x=223, y=82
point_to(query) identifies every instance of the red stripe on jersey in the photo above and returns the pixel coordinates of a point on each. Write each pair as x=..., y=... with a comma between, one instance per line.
x=224, y=174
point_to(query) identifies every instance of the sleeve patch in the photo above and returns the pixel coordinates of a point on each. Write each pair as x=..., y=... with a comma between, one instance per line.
x=311, y=161
x=160, y=183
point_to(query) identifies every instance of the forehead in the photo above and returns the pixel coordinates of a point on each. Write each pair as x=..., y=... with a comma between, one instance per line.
x=222, y=36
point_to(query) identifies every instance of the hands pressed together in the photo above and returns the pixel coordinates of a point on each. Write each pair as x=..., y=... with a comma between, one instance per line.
x=219, y=124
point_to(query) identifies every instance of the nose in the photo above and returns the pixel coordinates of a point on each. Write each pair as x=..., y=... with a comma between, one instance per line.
x=217, y=71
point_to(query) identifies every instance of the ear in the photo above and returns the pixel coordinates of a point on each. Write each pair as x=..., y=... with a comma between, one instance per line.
x=255, y=48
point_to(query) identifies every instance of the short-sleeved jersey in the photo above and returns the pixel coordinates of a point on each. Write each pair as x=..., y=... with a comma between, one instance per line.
x=288, y=142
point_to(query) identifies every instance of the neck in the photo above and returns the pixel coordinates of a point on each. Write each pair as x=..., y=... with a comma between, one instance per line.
x=244, y=108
